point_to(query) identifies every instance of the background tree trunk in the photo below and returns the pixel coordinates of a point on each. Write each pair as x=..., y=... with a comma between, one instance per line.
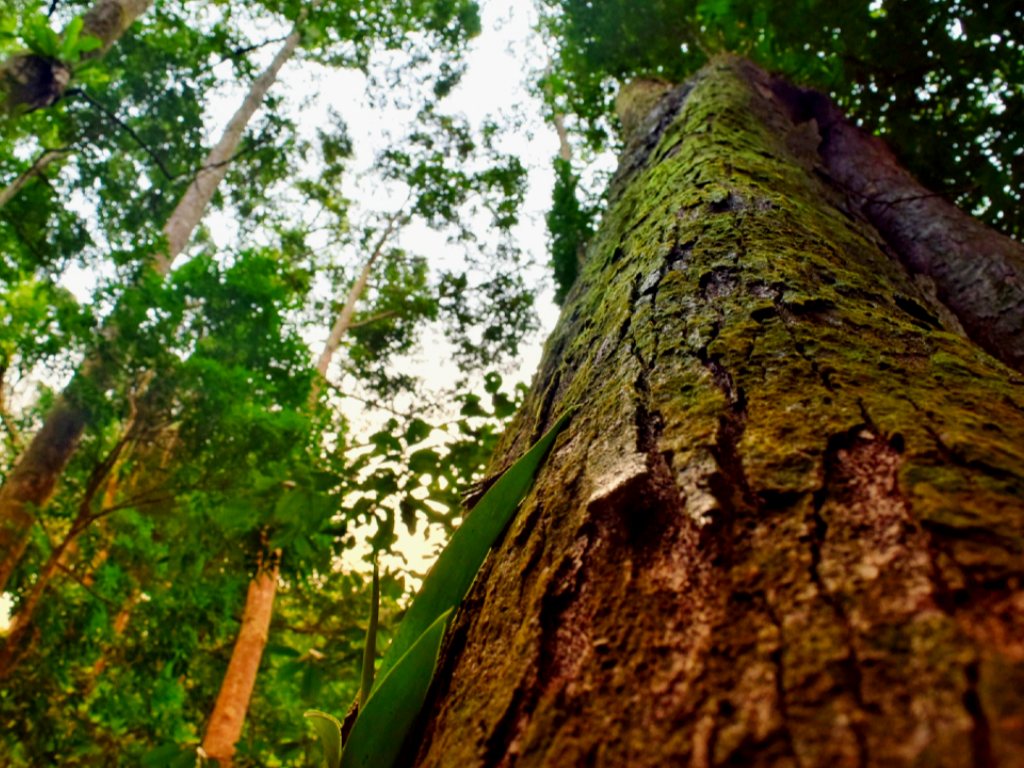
x=232, y=705
x=786, y=527
x=33, y=479
x=225, y=726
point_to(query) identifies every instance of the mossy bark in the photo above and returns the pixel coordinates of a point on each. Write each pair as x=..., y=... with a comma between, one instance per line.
x=786, y=527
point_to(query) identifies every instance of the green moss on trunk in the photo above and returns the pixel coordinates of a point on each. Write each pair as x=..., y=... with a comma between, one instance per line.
x=787, y=526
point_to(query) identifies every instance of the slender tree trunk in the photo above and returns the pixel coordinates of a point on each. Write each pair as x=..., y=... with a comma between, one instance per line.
x=33, y=479
x=193, y=204
x=232, y=705
x=17, y=642
x=29, y=81
x=786, y=527
x=344, y=320
x=225, y=726
x=42, y=162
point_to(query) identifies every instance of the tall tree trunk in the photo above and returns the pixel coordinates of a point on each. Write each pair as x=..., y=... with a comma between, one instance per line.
x=786, y=527
x=32, y=481
x=343, y=321
x=232, y=705
x=225, y=726
x=29, y=81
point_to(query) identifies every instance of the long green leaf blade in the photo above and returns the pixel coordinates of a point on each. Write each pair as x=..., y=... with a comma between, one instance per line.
x=457, y=565
x=370, y=646
x=328, y=729
x=382, y=725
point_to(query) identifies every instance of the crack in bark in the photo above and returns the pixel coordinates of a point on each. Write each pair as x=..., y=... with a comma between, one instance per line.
x=780, y=680
x=981, y=732
x=819, y=530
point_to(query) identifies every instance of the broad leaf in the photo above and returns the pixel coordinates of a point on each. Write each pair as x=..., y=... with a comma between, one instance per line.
x=457, y=565
x=328, y=729
x=382, y=725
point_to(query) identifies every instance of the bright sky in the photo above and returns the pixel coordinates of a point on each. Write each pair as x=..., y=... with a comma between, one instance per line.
x=494, y=86
x=499, y=63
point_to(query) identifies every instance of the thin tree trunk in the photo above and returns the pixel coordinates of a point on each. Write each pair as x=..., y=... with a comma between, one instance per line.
x=193, y=204
x=786, y=526
x=33, y=479
x=225, y=726
x=232, y=705
x=344, y=320
x=29, y=81
x=16, y=644
x=41, y=163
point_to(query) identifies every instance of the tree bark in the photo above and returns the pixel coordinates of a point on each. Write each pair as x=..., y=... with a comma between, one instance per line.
x=343, y=321
x=786, y=527
x=225, y=726
x=34, y=477
x=29, y=81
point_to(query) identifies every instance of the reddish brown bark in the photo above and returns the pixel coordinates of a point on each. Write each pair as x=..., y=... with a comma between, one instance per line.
x=786, y=526
x=976, y=271
x=225, y=726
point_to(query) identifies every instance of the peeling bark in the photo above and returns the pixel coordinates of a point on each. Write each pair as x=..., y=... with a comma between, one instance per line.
x=786, y=527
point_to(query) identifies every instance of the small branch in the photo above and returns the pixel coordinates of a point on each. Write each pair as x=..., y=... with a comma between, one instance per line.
x=39, y=164
x=372, y=403
x=127, y=129
x=81, y=582
x=112, y=116
x=373, y=319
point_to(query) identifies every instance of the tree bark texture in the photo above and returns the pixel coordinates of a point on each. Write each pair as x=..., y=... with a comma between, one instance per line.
x=32, y=481
x=29, y=81
x=225, y=726
x=786, y=527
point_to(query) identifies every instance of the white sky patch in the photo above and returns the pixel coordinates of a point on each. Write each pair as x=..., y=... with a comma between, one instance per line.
x=499, y=62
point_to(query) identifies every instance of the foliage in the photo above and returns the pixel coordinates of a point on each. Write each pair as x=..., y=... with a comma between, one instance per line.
x=204, y=454
x=384, y=719
x=569, y=229
x=936, y=79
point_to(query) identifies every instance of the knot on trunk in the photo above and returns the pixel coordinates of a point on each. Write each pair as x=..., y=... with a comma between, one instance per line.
x=32, y=82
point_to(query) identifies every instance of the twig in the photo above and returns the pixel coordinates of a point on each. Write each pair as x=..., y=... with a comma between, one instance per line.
x=373, y=319
x=81, y=582
x=127, y=129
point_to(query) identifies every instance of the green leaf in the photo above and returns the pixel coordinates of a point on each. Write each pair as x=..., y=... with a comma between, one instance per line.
x=370, y=645
x=418, y=430
x=456, y=567
x=40, y=38
x=166, y=755
x=328, y=729
x=88, y=43
x=69, y=45
x=382, y=725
